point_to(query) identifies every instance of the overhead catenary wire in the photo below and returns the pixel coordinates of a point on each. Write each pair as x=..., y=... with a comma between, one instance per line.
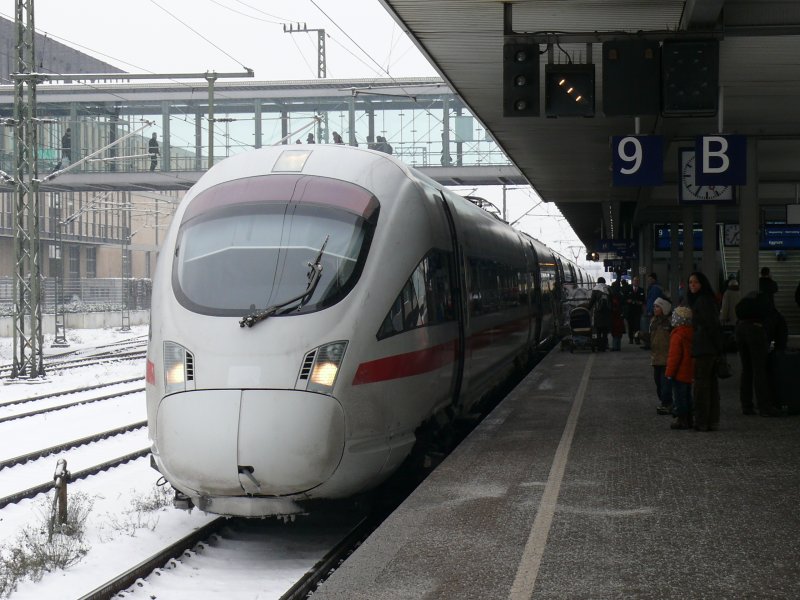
x=190, y=28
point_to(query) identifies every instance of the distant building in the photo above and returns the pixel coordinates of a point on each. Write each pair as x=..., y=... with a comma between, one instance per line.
x=100, y=221
x=51, y=56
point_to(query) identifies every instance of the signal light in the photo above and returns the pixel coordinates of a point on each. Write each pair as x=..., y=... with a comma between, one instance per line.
x=569, y=90
x=520, y=80
x=593, y=256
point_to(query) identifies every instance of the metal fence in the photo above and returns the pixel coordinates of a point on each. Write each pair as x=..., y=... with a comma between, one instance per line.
x=85, y=294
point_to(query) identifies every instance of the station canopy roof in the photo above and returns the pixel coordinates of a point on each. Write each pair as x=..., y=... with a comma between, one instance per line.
x=568, y=159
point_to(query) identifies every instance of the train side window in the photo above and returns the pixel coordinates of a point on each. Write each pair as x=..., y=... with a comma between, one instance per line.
x=424, y=300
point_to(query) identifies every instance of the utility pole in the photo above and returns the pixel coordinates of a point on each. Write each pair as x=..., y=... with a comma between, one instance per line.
x=320, y=45
x=322, y=133
x=27, y=317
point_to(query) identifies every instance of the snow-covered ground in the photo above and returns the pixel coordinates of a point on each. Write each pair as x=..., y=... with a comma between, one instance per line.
x=117, y=533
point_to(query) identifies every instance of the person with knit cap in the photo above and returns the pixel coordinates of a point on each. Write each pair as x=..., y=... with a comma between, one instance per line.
x=680, y=367
x=659, y=348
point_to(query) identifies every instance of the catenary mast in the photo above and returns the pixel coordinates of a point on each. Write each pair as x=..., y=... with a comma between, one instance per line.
x=27, y=317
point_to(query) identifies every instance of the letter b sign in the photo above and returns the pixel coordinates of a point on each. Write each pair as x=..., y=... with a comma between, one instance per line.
x=722, y=160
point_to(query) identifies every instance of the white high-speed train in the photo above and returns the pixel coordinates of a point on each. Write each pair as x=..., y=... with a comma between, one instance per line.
x=313, y=307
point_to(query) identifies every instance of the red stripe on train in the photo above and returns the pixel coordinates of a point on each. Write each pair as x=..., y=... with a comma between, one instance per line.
x=405, y=365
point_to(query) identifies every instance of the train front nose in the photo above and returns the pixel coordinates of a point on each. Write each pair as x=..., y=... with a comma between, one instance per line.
x=255, y=442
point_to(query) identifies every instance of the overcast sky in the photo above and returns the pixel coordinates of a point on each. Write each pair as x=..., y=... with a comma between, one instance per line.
x=227, y=36
x=167, y=36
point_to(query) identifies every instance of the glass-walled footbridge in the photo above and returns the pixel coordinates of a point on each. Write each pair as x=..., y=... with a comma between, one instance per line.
x=195, y=124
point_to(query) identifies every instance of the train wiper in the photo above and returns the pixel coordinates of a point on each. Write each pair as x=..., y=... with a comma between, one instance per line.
x=314, y=275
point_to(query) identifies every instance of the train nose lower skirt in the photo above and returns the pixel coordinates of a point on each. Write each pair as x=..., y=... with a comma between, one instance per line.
x=259, y=442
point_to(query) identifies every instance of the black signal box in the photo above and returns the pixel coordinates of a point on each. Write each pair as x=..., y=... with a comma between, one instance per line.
x=690, y=78
x=520, y=80
x=631, y=78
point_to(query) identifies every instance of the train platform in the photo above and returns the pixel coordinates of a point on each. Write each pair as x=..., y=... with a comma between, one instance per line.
x=573, y=487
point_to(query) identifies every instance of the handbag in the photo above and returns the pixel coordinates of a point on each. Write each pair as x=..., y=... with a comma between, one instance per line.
x=723, y=368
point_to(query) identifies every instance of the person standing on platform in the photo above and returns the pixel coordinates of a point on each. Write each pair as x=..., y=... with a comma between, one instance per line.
x=600, y=306
x=727, y=315
x=753, y=343
x=680, y=367
x=633, y=303
x=706, y=350
x=653, y=291
x=617, y=320
x=797, y=295
x=337, y=139
x=731, y=297
x=767, y=286
x=660, y=328
x=153, y=150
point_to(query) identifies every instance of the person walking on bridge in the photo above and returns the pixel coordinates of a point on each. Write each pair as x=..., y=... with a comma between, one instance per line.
x=153, y=150
x=66, y=146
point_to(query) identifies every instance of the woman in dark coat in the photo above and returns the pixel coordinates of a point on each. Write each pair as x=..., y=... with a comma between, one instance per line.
x=706, y=349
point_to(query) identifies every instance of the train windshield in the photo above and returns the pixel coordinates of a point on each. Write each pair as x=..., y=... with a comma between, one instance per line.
x=241, y=257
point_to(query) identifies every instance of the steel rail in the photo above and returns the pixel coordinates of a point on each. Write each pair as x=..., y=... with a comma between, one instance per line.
x=88, y=388
x=46, y=487
x=41, y=411
x=37, y=454
x=147, y=566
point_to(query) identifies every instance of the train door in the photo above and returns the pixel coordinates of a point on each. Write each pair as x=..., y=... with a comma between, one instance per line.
x=535, y=292
x=458, y=288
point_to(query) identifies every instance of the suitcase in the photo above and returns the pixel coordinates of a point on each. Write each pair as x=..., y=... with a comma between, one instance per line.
x=784, y=373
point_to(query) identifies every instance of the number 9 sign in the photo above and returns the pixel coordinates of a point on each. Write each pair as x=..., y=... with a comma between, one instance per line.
x=638, y=160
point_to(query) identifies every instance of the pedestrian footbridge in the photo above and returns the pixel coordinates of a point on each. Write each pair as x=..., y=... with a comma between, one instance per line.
x=199, y=124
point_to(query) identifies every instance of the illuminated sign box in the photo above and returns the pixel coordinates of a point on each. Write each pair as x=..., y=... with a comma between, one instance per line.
x=569, y=91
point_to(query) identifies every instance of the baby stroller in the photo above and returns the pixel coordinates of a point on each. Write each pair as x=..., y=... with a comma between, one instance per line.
x=580, y=329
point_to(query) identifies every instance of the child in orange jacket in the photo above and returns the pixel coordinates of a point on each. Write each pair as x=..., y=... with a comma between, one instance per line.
x=680, y=367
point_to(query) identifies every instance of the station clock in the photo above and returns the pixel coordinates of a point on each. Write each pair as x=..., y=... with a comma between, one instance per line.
x=689, y=191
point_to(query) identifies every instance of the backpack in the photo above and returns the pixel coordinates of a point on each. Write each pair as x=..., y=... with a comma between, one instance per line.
x=603, y=303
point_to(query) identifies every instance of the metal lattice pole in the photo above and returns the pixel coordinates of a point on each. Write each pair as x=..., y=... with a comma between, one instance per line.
x=27, y=318
x=60, y=340
x=126, y=266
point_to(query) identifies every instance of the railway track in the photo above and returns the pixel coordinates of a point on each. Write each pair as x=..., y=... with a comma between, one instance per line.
x=124, y=349
x=218, y=560
x=46, y=486
x=243, y=558
x=33, y=437
x=67, y=392
x=66, y=405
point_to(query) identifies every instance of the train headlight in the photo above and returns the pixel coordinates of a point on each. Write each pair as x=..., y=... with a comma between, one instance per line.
x=177, y=367
x=327, y=361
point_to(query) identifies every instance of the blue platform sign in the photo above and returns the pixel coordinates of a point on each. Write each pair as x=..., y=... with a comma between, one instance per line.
x=721, y=160
x=780, y=237
x=638, y=160
x=622, y=248
x=663, y=237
